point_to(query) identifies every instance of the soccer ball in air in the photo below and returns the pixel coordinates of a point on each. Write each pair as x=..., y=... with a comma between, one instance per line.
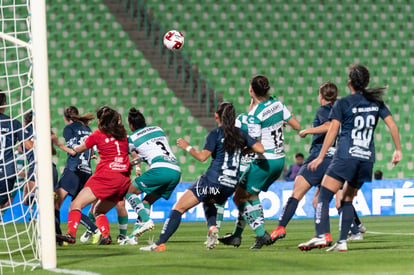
x=173, y=40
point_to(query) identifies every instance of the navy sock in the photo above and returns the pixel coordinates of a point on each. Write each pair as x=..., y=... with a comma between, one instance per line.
x=346, y=218
x=322, y=211
x=58, y=230
x=170, y=226
x=354, y=228
x=210, y=211
x=85, y=221
x=357, y=221
x=288, y=211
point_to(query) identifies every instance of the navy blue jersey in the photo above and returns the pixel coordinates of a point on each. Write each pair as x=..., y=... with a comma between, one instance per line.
x=358, y=118
x=322, y=116
x=224, y=168
x=10, y=132
x=75, y=134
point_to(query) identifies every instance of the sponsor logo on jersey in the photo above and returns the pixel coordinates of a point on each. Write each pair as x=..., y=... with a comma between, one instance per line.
x=358, y=152
x=117, y=166
x=365, y=109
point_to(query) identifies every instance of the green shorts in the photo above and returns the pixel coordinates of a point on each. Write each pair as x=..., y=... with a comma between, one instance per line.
x=158, y=181
x=261, y=174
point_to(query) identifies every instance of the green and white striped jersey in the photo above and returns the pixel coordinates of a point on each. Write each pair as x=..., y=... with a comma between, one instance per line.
x=265, y=122
x=151, y=144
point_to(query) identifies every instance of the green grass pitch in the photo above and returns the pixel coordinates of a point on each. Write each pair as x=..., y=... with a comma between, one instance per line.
x=389, y=249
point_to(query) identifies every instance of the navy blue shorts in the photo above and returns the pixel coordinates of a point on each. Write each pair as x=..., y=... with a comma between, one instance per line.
x=7, y=182
x=355, y=172
x=73, y=182
x=209, y=192
x=314, y=178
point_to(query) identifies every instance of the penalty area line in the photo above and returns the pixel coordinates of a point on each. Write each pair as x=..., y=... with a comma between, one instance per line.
x=14, y=264
x=389, y=233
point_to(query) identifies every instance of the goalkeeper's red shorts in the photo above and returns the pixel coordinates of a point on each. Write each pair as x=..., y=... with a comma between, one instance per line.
x=110, y=186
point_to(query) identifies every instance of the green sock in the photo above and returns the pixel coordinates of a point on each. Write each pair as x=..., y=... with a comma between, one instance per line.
x=252, y=212
x=138, y=206
x=91, y=217
x=255, y=217
x=241, y=222
x=219, y=218
x=147, y=207
x=123, y=224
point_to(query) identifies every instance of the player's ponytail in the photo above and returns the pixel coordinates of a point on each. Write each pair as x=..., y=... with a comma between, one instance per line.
x=329, y=91
x=72, y=113
x=110, y=122
x=233, y=140
x=260, y=85
x=136, y=119
x=359, y=77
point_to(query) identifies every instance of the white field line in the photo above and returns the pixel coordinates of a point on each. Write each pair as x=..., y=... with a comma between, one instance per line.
x=389, y=233
x=56, y=270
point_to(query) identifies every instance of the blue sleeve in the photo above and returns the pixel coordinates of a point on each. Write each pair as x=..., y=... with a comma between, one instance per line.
x=211, y=141
x=336, y=112
x=322, y=115
x=384, y=111
x=70, y=138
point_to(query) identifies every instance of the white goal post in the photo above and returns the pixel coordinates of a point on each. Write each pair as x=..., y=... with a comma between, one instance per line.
x=43, y=151
x=36, y=45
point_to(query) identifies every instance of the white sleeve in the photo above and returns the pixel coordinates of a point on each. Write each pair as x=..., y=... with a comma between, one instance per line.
x=286, y=113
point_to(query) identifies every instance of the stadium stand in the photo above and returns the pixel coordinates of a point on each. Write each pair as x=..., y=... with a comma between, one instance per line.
x=93, y=62
x=300, y=45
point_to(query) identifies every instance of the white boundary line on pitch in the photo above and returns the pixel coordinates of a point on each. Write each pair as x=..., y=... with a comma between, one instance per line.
x=389, y=233
x=56, y=270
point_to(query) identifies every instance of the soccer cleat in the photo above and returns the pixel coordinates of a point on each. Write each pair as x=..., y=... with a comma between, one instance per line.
x=212, y=237
x=85, y=236
x=313, y=243
x=130, y=240
x=230, y=239
x=278, y=233
x=96, y=237
x=266, y=239
x=356, y=237
x=338, y=247
x=141, y=228
x=105, y=240
x=362, y=228
x=66, y=238
x=121, y=238
x=328, y=239
x=153, y=247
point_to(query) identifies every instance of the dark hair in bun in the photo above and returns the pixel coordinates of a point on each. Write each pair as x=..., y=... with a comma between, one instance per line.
x=260, y=85
x=136, y=119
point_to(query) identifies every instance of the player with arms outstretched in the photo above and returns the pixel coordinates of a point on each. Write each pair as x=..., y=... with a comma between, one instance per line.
x=225, y=145
x=357, y=115
x=108, y=185
x=305, y=179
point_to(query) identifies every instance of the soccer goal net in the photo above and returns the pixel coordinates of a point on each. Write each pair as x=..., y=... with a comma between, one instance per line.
x=26, y=198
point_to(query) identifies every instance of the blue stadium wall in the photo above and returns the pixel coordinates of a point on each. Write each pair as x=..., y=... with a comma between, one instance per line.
x=376, y=198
